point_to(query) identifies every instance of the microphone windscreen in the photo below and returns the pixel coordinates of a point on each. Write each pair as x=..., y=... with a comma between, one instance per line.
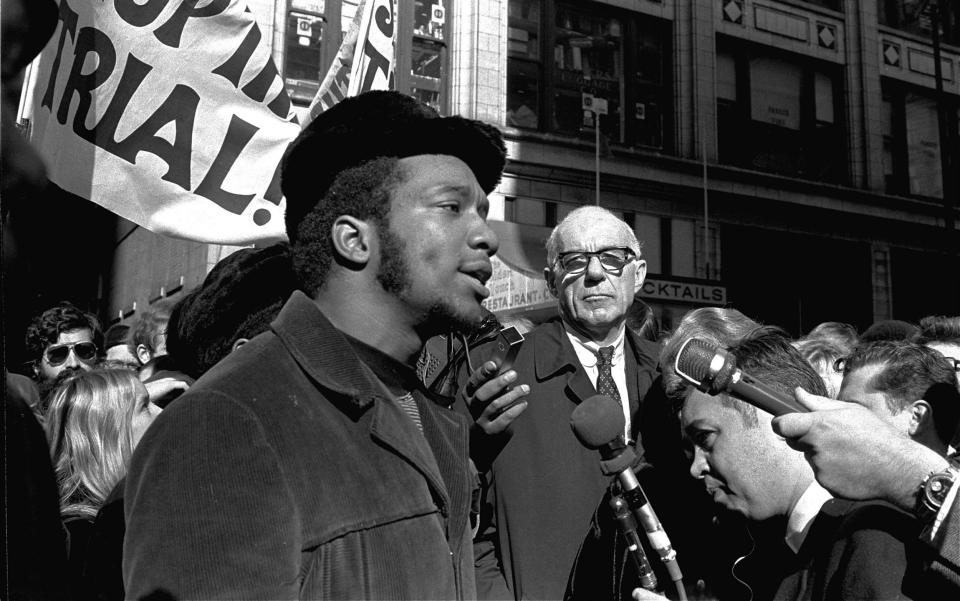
x=597, y=421
x=694, y=359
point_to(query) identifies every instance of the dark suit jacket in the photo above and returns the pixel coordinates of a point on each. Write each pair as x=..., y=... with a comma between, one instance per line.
x=543, y=485
x=860, y=550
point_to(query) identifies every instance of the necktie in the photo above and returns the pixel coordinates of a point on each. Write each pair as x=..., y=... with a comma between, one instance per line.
x=605, y=383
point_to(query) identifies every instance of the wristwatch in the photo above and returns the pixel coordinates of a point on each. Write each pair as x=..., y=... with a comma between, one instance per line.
x=933, y=491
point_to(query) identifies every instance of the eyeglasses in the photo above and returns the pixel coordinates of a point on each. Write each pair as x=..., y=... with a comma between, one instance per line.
x=58, y=353
x=612, y=260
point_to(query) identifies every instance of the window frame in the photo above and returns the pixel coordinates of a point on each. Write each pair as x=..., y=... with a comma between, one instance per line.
x=898, y=182
x=734, y=151
x=632, y=90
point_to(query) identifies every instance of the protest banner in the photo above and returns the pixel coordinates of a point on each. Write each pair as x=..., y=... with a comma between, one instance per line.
x=373, y=31
x=170, y=113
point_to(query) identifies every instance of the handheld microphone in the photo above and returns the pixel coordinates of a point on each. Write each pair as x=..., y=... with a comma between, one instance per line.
x=598, y=424
x=713, y=371
x=628, y=526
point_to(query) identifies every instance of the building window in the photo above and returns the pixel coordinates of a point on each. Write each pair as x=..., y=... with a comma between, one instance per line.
x=559, y=51
x=524, y=73
x=779, y=113
x=914, y=16
x=530, y=211
x=647, y=229
x=428, y=56
x=303, y=61
x=911, y=139
x=312, y=42
x=831, y=4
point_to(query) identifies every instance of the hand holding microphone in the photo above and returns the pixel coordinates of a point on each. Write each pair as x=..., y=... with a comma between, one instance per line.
x=713, y=371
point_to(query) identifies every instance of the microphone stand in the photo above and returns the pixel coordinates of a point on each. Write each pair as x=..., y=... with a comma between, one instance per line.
x=628, y=528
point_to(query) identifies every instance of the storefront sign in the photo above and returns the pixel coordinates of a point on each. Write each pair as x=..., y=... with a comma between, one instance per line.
x=684, y=292
x=512, y=290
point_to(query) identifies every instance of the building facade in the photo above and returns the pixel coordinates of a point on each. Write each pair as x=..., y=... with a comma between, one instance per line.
x=780, y=156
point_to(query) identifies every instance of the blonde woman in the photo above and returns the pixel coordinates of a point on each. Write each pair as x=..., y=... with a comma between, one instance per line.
x=94, y=421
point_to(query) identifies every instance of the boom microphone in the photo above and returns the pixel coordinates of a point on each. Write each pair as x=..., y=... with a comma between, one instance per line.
x=713, y=371
x=598, y=424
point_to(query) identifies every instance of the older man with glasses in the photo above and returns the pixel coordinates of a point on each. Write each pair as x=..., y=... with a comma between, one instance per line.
x=62, y=338
x=543, y=484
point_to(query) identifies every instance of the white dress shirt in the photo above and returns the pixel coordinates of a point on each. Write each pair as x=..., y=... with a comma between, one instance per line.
x=587, y=353
x=801, y=518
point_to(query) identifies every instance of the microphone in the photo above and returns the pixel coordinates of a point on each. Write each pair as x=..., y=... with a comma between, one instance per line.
x=628, y=526
x=714, y=370
x=598, y=424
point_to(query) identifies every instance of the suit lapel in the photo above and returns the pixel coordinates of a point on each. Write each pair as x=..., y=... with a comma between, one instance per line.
x=554, y=353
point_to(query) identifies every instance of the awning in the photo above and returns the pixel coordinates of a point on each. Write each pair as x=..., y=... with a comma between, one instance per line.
x=522, y=247
x=517, y=283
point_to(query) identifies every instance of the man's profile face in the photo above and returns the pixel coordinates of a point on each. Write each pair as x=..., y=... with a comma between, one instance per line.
x=596, y=301
x=857, y=388
x=745, y=468
x=436, y=245
x=47, y=370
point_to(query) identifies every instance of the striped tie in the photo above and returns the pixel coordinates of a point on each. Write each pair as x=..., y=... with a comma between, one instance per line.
x=409, y=406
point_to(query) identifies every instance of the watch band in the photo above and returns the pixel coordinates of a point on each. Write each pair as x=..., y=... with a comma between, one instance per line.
x=933, y=491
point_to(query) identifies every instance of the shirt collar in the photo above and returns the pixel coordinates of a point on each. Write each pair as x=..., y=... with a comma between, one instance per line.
x=801, y=518
x=586, y=349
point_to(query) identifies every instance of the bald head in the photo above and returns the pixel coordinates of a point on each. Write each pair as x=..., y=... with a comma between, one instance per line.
x=589, y=218
x=595, y=292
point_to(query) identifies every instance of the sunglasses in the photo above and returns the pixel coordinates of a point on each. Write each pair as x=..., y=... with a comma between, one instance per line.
x=57, y=354
x=612, y=260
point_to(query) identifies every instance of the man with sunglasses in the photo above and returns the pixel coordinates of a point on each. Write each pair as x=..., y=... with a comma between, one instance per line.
x=545, y=485
x=62, y=339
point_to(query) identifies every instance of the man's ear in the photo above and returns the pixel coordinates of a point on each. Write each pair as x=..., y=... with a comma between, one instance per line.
x=551, y=280
x=641, y=275
x=238, y=343
x=143, y=354
x=921, y=417
x=352, y=238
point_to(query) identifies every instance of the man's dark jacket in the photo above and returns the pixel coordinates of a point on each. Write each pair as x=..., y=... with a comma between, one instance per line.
x=861, y=550
x=543, y=484
x=287, y=472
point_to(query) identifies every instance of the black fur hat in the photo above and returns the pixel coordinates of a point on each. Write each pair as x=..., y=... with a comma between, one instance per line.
x=239, y=298
x=381, y=124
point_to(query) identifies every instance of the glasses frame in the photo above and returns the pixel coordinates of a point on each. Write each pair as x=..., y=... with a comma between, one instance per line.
x=631, y=256
x=70, y=346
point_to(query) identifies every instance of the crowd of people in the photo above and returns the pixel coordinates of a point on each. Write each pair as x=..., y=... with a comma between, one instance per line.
x=281, y=431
